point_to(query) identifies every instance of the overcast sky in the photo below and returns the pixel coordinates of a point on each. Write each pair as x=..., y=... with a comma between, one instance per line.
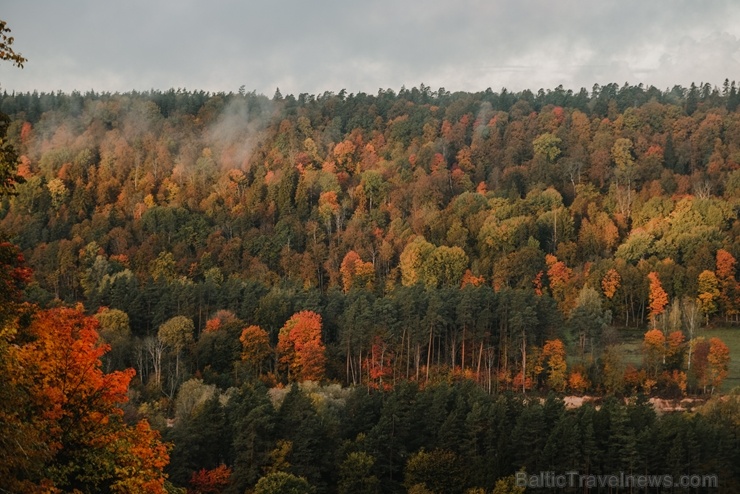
x=316, y=46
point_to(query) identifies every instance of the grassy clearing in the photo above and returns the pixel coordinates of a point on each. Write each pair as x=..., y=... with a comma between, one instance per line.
x=632, y=345
x=731, y=337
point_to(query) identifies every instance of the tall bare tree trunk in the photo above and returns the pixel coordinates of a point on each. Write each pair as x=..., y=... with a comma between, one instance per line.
x=480, y=359
x=417, y=360
x=429, y=351
x=463, y=349
x=524, y=361
x=348, y=359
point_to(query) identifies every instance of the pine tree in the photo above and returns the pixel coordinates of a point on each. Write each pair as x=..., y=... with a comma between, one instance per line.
x=473, y=442
x=255, y=421
x=199, y=442
x=562, y=451
x=622, y=441
x=314, y=447
x=590, y=453
x=528, y=438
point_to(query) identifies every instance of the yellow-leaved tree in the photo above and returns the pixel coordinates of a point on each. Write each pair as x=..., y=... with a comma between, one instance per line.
x=708, y=293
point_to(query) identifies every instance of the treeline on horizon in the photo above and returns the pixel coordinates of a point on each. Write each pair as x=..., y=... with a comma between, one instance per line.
x=453, y=256
x=595, y=102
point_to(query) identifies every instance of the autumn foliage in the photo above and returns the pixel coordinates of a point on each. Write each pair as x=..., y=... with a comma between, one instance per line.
x=75, y=407
x=300, y=347
x=658, y=297
x=718, y=360
x=356, y=272
x=553, y=360
x=378, y=365
x=255, y=347
x=212, y=481
x=610, y=283
x=728, y=285
x=654, y=344
x=208, y=221
x=577, y=382
x=559, y=275
x=14, y=275
x=709, y=294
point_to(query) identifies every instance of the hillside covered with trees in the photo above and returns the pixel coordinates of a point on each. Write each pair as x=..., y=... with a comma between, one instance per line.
x=438, y=261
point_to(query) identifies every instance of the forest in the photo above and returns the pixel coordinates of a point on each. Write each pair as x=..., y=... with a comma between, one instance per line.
x=357, y=293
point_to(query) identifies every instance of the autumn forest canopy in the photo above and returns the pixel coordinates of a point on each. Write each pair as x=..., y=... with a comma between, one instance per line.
x=436, y=269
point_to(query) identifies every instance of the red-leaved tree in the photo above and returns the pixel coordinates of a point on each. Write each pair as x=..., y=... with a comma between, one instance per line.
x=75, y=409
x=300, y=349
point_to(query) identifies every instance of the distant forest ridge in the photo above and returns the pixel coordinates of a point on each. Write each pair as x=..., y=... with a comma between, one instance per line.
x=595, y=102
x=373, y=211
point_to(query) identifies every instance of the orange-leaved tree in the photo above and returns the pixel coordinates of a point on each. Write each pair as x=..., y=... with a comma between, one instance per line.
x=559, y=275
x=729, y=290
x=22, y=447
x=658, y=298
x=212, y=481
x=610, y=283
x=577, y=381
x=356, y=272
x=255, y=347
x=718, y=360
x=553, y=356
x=674, y=357
x=300, y=348
x=75, y=408
x=653, y=348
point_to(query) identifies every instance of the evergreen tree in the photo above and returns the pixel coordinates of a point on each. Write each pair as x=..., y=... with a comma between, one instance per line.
x=314, y=443
x=528, y=438
x=199, y=442
x=254, y=420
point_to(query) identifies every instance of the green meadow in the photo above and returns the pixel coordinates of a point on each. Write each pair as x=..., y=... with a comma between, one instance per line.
x=632, y=349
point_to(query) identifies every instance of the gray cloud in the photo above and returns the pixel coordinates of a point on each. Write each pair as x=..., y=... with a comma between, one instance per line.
x=361, y=46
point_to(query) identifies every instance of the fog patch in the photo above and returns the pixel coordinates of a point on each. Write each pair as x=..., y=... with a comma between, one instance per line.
x=239, y=128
